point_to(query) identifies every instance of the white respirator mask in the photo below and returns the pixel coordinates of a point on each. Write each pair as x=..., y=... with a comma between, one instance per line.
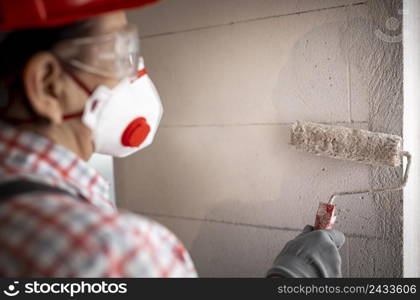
x=123, y=119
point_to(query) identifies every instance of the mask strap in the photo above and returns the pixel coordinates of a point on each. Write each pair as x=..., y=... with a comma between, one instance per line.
x=78, y=82
x=83, y=87
x=17, y=121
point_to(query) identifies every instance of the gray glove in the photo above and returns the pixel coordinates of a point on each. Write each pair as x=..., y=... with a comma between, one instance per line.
x=310, y=254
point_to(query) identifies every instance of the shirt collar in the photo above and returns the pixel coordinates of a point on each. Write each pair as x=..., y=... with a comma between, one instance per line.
x=27, y=154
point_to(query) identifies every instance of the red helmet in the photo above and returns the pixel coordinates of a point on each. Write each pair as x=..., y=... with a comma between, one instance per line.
x=21, y=14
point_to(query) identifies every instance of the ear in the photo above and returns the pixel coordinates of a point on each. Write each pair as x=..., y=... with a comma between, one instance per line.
x=43, y=83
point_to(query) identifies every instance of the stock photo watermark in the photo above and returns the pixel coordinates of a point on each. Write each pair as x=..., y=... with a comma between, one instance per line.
x=392, y=24
x=64, y=288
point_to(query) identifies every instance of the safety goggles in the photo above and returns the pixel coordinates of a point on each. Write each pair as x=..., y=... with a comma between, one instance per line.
x=114, y=55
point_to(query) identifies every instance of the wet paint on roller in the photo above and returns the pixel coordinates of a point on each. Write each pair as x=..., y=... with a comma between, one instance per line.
x=325, y=216
x=352, y=144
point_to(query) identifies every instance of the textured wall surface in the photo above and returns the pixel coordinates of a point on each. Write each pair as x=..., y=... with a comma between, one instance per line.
x=104, y=164
x=411, y=133
x=233, y=75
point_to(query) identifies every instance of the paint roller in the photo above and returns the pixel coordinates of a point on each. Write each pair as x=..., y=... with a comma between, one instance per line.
x=357, y=145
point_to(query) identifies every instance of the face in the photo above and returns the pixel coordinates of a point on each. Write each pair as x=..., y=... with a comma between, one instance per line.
x=105, y=24
x=53, y=93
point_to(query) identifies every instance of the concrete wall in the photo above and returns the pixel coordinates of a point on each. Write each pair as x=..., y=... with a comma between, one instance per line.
x=104, y=165
x=412, y=136
x=232, y=76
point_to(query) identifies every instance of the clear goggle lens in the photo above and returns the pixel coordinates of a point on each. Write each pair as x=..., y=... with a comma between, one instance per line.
x=114, y=55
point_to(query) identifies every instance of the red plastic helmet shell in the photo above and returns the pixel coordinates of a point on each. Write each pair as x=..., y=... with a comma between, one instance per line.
x=24, y=14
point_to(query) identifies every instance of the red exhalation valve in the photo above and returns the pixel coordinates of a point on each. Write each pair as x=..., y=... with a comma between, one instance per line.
x=135, y=132
x=325, y=216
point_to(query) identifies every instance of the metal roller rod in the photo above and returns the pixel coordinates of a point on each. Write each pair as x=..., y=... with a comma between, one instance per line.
x=385, y=189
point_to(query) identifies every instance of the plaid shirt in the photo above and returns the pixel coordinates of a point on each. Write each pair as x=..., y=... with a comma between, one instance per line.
x=46, y=234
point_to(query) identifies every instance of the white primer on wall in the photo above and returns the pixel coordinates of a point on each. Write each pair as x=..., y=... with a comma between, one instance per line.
x=221, y=173
x=105, y=166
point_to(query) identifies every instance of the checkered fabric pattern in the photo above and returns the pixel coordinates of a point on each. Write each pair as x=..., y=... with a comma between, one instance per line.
x=43, y=234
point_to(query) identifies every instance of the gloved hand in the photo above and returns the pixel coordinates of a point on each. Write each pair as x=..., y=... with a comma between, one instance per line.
x=310, y=254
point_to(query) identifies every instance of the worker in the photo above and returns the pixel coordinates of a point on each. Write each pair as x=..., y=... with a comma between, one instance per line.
x=72, y=83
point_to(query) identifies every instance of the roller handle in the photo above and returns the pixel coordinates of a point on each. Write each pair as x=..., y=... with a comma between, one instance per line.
x=325, y=216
